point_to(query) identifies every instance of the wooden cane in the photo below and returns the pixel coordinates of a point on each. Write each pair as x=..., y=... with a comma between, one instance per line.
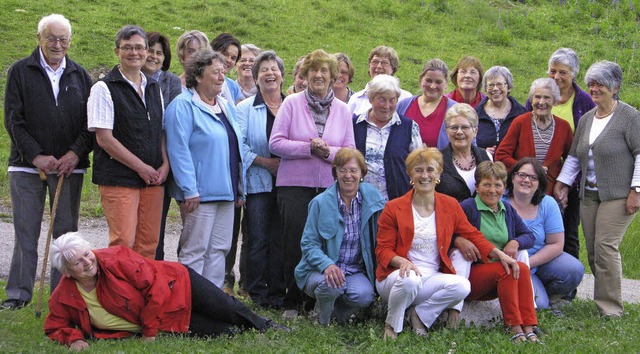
x=46, y=249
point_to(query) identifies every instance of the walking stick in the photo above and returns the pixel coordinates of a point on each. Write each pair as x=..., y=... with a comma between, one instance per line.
x=49, y=233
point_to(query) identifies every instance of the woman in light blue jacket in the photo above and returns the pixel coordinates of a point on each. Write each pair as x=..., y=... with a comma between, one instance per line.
x=265, y=261
x=203, y=144
x=339, y=239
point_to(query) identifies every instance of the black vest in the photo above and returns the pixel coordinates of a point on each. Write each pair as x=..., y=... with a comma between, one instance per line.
x=395, y=152
x=135, y=126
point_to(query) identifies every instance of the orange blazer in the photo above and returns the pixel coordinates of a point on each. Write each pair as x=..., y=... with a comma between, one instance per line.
x=396, y=231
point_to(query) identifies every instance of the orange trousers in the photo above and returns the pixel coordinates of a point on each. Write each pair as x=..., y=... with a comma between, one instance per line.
x=133, y=215
x=490, y=280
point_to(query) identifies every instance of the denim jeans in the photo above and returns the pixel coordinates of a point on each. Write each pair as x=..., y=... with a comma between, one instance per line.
x=341, y=302
x=560, y=276
x=265, y=257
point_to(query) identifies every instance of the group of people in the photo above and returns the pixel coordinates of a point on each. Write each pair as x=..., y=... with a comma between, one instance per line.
x=341, y=196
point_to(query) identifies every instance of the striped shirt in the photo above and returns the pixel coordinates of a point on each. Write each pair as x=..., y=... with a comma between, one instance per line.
x=542, y=139
x=350, y=257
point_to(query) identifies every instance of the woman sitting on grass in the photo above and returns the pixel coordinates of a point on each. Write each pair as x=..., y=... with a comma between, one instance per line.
x=114, y=293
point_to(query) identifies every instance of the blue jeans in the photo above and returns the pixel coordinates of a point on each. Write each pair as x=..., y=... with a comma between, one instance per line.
x=560, y=277
x=265, y=256
x=343, y=302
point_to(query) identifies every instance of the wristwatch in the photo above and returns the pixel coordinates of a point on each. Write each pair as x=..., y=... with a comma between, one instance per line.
x=636, y=189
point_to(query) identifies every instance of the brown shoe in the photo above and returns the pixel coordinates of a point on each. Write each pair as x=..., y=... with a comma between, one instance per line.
x=229, y=291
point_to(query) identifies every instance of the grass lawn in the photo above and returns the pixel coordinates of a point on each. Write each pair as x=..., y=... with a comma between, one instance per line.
x=580, y=331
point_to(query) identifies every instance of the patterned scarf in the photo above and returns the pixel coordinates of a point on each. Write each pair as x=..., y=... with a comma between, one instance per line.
x=319, y=108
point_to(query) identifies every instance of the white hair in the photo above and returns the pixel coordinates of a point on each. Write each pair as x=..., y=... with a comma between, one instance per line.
x=65, y=248
x=53, y=18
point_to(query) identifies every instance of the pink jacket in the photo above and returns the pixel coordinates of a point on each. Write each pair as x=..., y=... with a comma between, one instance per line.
x=291, y=137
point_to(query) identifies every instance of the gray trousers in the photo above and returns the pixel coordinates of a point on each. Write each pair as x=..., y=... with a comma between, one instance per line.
x=28, y=195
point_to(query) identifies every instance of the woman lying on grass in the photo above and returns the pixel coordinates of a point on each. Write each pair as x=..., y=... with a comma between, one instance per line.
x=115, y=293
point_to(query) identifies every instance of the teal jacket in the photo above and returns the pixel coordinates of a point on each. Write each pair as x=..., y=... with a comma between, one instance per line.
x=324, y=230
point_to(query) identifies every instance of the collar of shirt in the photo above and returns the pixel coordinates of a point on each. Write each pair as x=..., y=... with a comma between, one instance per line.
x=343, y=207
x=215, y=109
x=157, y=75
x=143, y=83
x=483, y=207
x=48, y=68
x=395, y=119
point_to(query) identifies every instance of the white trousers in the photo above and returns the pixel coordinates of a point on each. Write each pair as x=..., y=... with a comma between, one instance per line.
x=206, y=240
x=431, y=293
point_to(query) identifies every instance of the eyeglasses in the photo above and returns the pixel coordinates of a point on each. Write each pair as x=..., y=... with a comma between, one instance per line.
x=128, y=48
x=499, y=85
x=464, y=128
x=343, y=171
x=523, y=176
x=383, y=63
x=64, y=41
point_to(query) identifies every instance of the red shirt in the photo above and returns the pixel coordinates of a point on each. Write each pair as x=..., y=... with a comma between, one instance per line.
x=429, y=125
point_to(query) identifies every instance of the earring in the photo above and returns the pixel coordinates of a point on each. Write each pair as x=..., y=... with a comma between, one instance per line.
x=411, y=183
x=361, y=179
x=437, y=181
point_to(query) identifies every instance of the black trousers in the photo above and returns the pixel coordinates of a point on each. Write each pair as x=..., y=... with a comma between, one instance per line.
x=293, y=203
x=213, y=312
x=571, y=221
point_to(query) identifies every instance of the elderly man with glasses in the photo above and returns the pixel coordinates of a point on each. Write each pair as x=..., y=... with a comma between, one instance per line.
x=130, y=162
x=45, y=117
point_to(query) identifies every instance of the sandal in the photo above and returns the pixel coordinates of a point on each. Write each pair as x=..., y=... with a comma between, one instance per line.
x=389, y=333
x=518, y=338
x=418, y=327
x=532, y=337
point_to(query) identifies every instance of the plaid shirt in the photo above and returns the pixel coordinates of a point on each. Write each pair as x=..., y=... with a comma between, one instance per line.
x=350, y=257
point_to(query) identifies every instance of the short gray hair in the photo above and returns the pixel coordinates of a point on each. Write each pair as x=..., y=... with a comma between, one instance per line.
x=606, y=73
x=383, y=83
x=496, y=71
x=65, y=247
x=266, y=56
x=250, y=48
x=54, y=18
x=547, y=83
x=462, y=110
x=195, y=66
x=568, y=57
x=129, y=31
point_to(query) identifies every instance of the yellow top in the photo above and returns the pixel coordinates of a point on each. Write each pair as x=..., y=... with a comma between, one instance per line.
x=565, y=111
x=102, y=319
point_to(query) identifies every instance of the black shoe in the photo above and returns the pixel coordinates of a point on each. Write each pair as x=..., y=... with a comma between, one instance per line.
x=13, y=304
x=271, y=324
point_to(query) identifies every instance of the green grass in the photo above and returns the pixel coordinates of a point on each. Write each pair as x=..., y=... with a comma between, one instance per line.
x=581, y=331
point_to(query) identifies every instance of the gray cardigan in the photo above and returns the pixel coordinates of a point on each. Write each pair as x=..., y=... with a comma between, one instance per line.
x=614, y=151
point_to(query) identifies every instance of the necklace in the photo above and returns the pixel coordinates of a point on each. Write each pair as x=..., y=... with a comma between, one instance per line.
x=553, y=128
x=472, y=163
x=274, y=107
x=615, y=104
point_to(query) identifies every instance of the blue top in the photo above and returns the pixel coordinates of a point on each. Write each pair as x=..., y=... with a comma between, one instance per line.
x=198, y=149
x=547, y=221
x=325, y=228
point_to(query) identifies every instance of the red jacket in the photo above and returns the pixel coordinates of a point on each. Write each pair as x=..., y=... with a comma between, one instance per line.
x=396, y=230
x=153, y=294
x=518, y=143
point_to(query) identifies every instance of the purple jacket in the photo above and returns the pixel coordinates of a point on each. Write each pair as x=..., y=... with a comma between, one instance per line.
x=291, y=136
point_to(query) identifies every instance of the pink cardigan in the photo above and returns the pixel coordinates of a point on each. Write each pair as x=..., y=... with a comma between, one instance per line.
x=291, y=137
